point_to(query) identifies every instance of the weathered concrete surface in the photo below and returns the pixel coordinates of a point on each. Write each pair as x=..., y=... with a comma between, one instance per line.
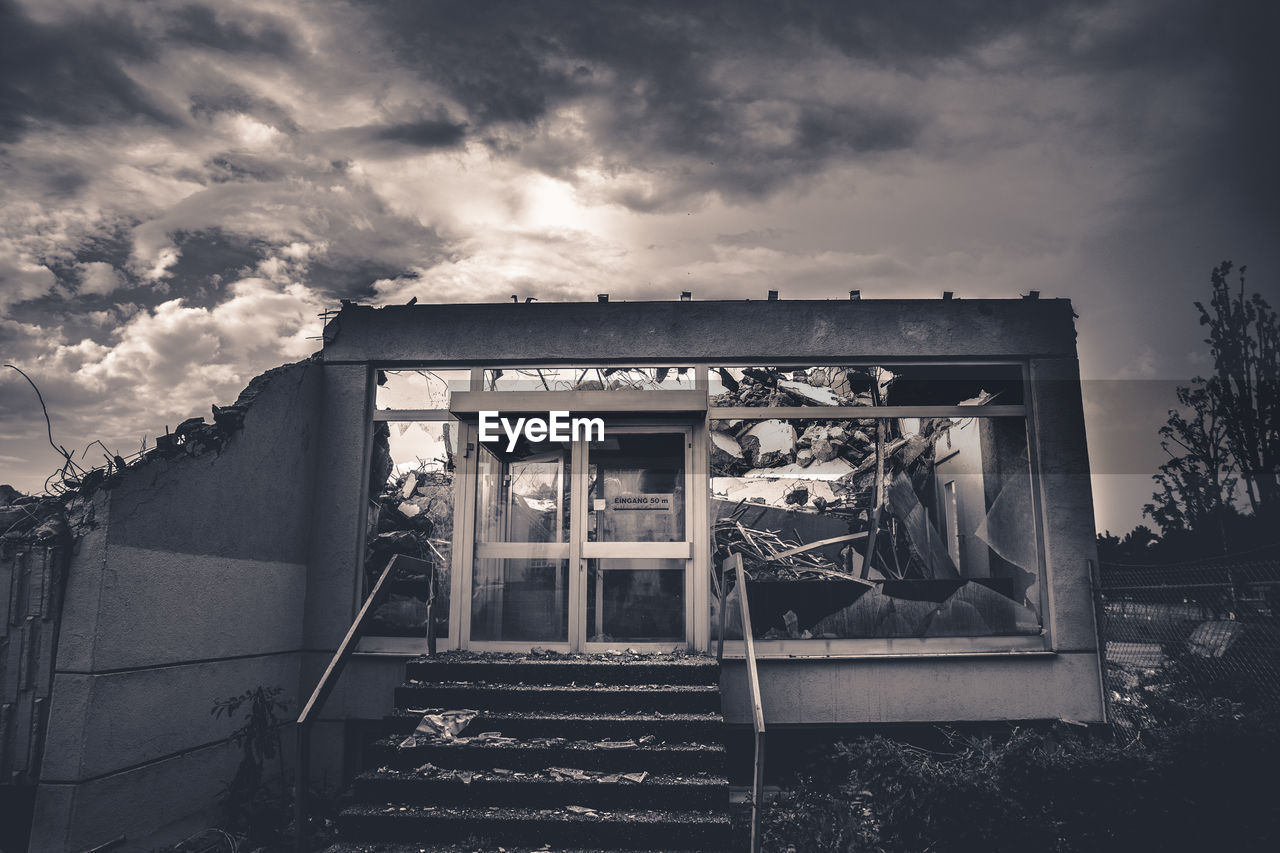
x=337, y=540
x=142, y=715
x=166, y=799
x=167, y=600
x=1062, y=459
x=609, y=332
x=191, y=590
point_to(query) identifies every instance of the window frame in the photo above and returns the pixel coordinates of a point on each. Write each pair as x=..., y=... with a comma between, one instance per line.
x=869, y=648
x=894, y=647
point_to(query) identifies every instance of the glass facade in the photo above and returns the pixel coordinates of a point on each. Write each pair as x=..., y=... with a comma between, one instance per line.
x=853, y=525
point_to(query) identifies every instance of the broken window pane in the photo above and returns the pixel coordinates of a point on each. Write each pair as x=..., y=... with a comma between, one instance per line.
x=954, y=385
x=589, y=379
x=954, y=547
x=419, y=389
x=411, y=513
x=793, y=386
x=894, y=385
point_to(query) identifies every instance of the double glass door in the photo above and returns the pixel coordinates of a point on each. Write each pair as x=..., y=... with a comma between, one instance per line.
x=583, y=545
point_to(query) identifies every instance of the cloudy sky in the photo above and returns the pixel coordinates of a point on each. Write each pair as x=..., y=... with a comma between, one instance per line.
x=185, y=186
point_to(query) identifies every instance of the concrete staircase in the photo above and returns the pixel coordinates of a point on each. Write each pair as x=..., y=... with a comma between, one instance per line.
x=604, y=752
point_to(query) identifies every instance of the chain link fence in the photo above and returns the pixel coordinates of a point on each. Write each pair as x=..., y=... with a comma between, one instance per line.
x=1190, y=633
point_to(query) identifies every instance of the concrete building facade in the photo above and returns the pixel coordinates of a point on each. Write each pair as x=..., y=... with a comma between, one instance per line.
x=906, y=480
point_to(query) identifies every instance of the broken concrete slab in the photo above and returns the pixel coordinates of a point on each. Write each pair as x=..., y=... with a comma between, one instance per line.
x=769, y=443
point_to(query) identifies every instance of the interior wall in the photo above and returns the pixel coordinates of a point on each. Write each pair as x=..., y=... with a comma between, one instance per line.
x=191, y=590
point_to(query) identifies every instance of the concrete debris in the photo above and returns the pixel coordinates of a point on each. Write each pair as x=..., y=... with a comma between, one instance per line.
x=412, y=515
x=817, y=386
x=49, y=520
x=726, y=452
x=811, y=395
x=768, y=444
x=810, y=514
x=67, y=510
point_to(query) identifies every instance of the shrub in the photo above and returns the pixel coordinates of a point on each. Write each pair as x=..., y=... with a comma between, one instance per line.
x=1202, y=784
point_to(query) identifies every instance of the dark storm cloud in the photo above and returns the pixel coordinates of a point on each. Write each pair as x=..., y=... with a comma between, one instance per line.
x=649, y=71
x=245, y=33
x=73, y=71
x=661, y=107
x=427, y=133
x=70, y=72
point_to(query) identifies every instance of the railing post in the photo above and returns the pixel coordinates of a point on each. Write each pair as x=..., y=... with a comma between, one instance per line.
x=318, y=696
x=753, y=686
x=431, y=611
x=724, y=597
x=757, y=793
x=301, y=788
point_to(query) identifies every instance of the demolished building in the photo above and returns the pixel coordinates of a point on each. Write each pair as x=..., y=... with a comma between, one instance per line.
x=905, y=481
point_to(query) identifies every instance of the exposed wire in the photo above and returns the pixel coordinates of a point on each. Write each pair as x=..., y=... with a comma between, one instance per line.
x=47, y=423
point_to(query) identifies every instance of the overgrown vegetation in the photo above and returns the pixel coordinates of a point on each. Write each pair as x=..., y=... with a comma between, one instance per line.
x=1203, y=782
x=253, y=806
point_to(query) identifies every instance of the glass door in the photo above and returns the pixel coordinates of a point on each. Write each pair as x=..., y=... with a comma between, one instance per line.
x=634, y=568
x=520, y=579
x=583, y=545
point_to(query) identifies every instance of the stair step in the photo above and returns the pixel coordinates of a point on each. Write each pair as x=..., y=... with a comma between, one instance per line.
x=540, y=789
x=620, y=725
x=567, y=669
x=532, y=755
x=629, y=829
x=424, y=847
x=597, y=696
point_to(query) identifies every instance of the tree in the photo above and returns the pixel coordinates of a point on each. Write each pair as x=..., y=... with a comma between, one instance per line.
x=1197, y=486
x=1137, y=546
x=1227, y=431
x=1244, y=340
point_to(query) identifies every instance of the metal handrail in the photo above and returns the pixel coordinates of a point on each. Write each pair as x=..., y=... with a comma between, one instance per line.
x=329, y=680
x=734, y=564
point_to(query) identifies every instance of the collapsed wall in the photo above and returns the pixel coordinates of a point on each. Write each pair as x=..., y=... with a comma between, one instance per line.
x=186, y=586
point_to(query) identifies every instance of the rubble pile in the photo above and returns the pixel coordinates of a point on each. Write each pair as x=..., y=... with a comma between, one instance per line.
x=822, y=467
x=588, y=378
x=804, y=499
x=44, y=521
x=767, y=556
x=65, y=510
x=814, y=386
x=411, y=514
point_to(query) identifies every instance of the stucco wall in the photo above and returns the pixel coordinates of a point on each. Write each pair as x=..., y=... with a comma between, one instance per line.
x=190, y=590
